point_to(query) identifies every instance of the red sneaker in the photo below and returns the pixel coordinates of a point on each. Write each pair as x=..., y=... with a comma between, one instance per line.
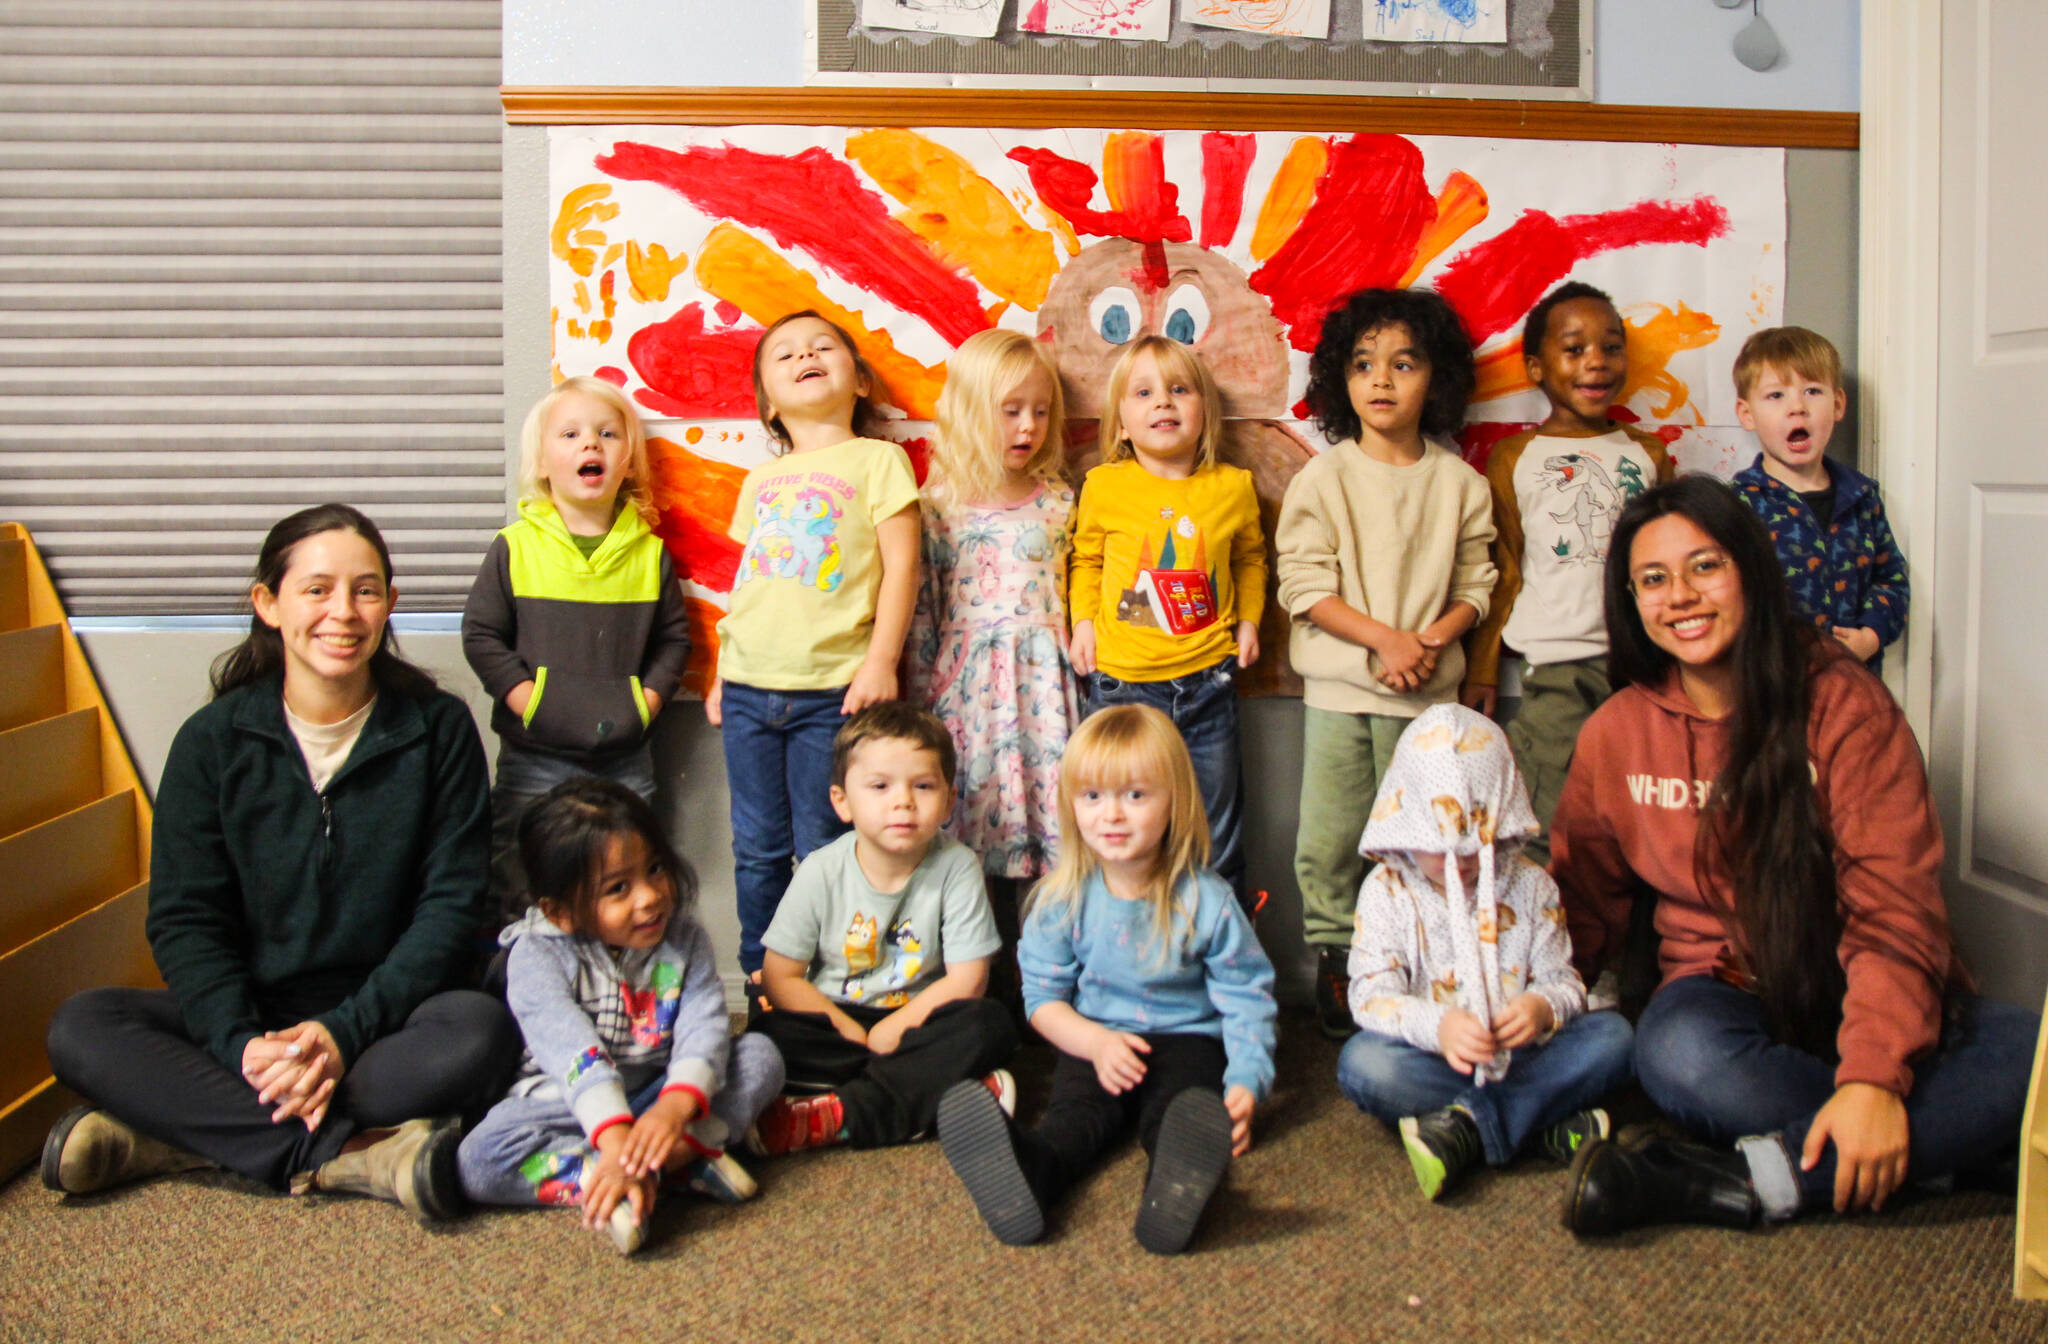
x=792, y=1124
x=1004, y=1086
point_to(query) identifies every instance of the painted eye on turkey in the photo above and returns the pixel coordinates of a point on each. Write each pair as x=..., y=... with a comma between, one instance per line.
x=1113, y=315
x=1187, y=315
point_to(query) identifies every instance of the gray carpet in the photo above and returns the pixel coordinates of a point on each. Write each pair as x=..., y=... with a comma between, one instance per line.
x=1320, y=1235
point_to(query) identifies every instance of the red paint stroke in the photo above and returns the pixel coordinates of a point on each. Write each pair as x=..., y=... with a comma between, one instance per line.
x=1066, y=187
x=611, y=373
x=1669, y=433
x=1034, y=22
x=728, y=311
x=1150, y=274
x=1477, y=440
x=812, y=201
x=1226, y=162
x=919, y=451
x=1495, y=283
x=1372, y=206
x=702, y=552
x=692, y=372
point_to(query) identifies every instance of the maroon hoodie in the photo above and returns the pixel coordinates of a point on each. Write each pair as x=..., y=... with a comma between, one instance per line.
x=1631, y=811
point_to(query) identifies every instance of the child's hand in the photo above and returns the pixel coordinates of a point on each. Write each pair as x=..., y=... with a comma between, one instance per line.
x=1862, y=642
x=1402, y=657
x=655, y=1133
x=519, y=697
x=714, y=702
x=850, y=1029
x=1117, y=1066
x=1485, y=699
x=1465, y=1041
x=610, y=1182
x=887, y=1034
x=1522, y=1021
x=872, y=684
x=653, y=700
x=1247, y=643
x=1238, y=1101
x=1081, y=647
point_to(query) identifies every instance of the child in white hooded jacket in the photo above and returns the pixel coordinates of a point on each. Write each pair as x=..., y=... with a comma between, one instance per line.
x=1475, y=1039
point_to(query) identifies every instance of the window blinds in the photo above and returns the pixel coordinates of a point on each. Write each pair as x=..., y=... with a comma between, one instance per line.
x=249, y=261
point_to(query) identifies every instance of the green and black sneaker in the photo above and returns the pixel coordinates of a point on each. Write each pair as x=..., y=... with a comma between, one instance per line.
x=1443, y=1147
x=1562, y=1141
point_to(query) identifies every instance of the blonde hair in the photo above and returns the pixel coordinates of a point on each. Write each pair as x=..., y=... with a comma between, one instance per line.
x=1793, y=350
x=967, y=463
x=1178, y=363
x=1112, y=747
x=637, y=489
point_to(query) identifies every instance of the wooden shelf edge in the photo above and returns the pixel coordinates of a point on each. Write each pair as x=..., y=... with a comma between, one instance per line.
x=563, y=105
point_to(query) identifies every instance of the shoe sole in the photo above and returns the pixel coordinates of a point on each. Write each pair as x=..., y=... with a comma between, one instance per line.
x=723, y=1179
x=436, y=1178
x=1429, y=1168
x=974, y=1134
x=1188, y=1162
x=53, y=1149
x=628, y=1234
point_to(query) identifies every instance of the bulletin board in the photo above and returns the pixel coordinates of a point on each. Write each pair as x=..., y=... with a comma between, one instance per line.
x=1371, y=47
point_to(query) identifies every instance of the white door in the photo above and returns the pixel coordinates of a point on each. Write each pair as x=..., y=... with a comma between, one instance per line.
x=1987, y=610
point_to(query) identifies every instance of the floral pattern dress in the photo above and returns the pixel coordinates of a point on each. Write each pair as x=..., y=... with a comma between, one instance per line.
x=987, y=652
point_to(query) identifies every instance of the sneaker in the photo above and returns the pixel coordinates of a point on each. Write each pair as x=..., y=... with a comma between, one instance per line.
x=89, y=1150
x=719, y=1176
x=627, y=1232
x=1333, y=993
x=1188, y=1161
x=1002, y=1085
x=413, y=1167
x=1562, y=1141
x=974, y=1134
x=792, y=1124
x=1443, y=1147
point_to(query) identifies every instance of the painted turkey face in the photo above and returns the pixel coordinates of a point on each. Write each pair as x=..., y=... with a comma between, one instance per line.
x=1117, y=290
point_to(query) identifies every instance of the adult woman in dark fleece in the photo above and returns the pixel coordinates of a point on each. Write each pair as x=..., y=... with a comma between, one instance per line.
x=1769, y=793
x=317, y=876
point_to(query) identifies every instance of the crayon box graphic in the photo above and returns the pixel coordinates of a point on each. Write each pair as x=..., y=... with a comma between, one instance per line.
x=1182, y=600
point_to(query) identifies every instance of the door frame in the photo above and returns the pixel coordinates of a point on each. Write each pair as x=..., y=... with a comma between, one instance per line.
x=1898, y=304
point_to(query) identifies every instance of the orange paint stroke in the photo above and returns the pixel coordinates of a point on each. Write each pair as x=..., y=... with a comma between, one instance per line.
x=576, y=329
x=739, y=268
x=1655, y=334
x=1502, y=372
x=582, y=293
x=607, y=293
x=1288, y=199
x=580, y=207
x=651, y=271
x=601, y=330
x=612, y=254
x=1460, y=207
x=703, y=661
x=591, y=237
x=959, y=212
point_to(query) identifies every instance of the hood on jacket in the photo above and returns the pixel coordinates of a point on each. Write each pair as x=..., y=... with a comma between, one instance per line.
x=531, y=922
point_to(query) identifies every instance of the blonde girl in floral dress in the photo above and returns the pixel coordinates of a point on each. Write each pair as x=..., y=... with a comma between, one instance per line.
x=987, y=648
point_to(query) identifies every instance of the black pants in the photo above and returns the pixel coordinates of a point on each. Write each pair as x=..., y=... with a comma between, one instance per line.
x=128, y=1052
x=1082, y=1121
x=892, y=1098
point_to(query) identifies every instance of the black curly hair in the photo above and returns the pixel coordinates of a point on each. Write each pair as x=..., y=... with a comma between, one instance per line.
x=1537, y=325
x=1439, y=335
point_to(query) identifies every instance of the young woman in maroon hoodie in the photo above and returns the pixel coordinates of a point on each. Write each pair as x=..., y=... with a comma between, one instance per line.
x=1767, y=793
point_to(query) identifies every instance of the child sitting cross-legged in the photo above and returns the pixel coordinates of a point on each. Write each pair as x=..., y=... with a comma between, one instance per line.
x=1476, y=1038
x=877, y=958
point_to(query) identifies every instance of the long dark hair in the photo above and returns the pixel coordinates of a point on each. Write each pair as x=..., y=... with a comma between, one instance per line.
x=1438, y=334
x=260, y=655
x=1762, y=833
x=565, y=836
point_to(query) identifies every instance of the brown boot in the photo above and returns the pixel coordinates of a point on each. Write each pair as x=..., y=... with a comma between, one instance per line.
x=414, y=1166
x=89, y=1150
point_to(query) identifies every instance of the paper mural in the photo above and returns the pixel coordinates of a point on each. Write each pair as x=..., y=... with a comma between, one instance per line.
x=959, y=18
x=1436, y=20
x=1270, y=18
x=1132, y=20
x=672, y=247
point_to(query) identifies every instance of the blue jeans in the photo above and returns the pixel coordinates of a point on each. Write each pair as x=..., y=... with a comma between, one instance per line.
x=1203, y=705
x=778, y=765
x=1583, y=1062
x=1706, y=1056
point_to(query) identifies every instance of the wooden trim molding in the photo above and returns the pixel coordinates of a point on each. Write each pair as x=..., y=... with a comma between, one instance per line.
x=1493, y=118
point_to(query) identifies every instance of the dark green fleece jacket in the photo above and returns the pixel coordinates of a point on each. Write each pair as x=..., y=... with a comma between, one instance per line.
x=270, y=903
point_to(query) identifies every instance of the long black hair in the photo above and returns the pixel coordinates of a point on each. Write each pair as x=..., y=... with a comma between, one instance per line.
x=1762, y=836
x=260, y=655
x=1438, y=334
x=565, y=836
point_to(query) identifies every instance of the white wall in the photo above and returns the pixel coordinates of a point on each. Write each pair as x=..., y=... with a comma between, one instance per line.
x=1673, y=53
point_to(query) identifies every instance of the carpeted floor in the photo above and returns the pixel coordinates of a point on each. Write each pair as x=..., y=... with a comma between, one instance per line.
x=1320, y=1236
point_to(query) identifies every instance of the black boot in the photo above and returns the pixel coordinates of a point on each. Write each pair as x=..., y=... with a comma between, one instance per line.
x=1639, y=1180
x=1333, y=993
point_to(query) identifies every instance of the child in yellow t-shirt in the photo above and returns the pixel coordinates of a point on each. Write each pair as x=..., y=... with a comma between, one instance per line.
x=1168, y=575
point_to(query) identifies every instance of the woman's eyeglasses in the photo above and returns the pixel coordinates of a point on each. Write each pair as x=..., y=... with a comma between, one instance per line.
x=1707, y=572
